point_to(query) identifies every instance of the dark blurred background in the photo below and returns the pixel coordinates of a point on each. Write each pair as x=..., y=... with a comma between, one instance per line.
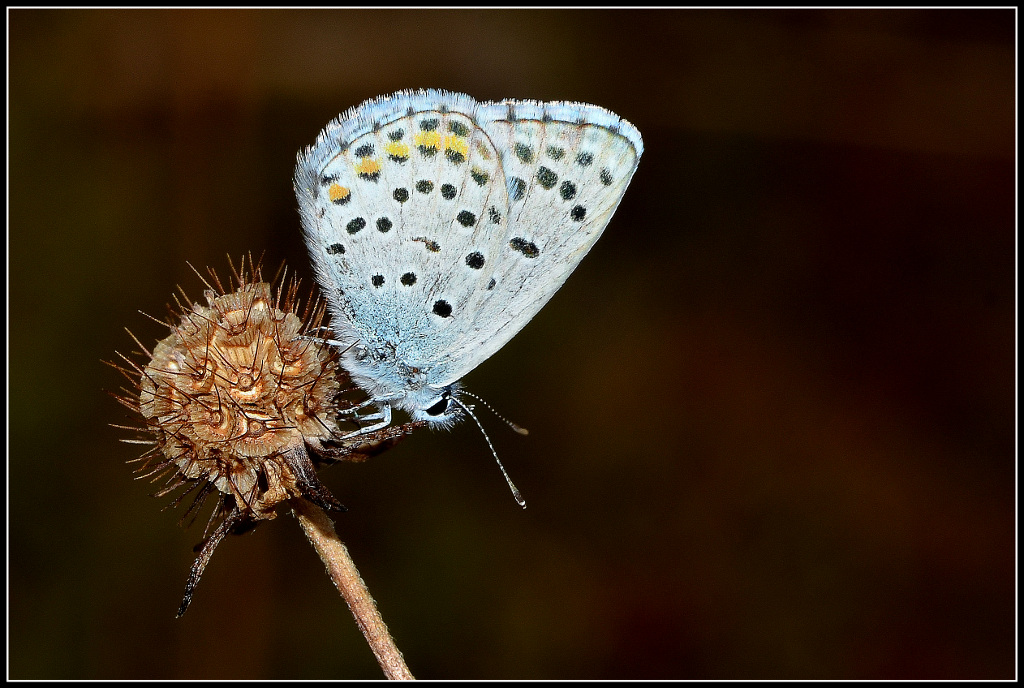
x=772, y=413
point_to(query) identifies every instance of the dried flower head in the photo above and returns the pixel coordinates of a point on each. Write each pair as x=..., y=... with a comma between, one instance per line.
x=233, y=399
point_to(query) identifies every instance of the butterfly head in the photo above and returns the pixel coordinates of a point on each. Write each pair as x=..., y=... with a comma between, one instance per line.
x=437, y=407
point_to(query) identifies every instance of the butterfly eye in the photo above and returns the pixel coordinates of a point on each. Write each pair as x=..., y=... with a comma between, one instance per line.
x=438, y=408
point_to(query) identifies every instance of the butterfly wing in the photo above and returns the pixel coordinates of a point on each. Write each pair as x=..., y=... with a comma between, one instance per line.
x=567, y=166
x=439, y=226
x=403, y=200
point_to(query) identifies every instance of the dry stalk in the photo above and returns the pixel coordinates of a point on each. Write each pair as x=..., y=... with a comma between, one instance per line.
x=342, y=570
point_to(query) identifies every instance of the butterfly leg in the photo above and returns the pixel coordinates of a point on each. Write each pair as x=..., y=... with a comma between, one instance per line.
x=383, y=416
x=355, y=409
x=320, y=340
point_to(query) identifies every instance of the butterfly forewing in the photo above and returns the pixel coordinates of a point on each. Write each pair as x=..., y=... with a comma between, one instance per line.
x=564, y=182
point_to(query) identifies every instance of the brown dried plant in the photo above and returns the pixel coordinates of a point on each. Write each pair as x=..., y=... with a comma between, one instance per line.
x=241, y=401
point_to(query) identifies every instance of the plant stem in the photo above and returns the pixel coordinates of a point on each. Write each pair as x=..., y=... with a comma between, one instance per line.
x=320, y=531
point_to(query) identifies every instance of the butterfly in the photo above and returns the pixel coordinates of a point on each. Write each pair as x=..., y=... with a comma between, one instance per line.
x=438, y=226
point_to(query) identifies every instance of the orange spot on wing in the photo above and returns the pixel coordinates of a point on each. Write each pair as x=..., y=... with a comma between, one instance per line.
x=457, y=144
x=337, y=192
x=397, y=149
x=367, y=166
x=427, y=139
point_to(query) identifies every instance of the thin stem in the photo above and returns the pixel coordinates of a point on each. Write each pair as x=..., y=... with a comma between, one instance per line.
x=320, y=531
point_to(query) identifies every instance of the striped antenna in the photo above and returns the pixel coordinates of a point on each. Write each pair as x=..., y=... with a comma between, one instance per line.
x=515, y=490
x=518, y=428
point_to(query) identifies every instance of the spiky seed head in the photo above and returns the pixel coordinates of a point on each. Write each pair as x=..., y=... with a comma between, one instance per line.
x=232, y=389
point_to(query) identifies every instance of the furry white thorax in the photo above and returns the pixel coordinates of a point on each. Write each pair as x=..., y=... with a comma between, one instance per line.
x=389, y=380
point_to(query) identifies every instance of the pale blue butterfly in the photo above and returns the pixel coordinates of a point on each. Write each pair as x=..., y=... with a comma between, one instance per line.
x=439, y=226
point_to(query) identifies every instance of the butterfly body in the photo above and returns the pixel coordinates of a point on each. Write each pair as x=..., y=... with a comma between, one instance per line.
x=438, y=227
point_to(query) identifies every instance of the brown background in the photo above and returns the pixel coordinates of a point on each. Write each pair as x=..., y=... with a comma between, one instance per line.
x=772, y=413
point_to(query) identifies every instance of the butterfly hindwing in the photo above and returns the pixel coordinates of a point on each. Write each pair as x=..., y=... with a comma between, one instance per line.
x=403, y=225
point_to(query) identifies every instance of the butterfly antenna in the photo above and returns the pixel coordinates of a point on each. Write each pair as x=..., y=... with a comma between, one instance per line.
x=515, y=491
x=518, y=428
